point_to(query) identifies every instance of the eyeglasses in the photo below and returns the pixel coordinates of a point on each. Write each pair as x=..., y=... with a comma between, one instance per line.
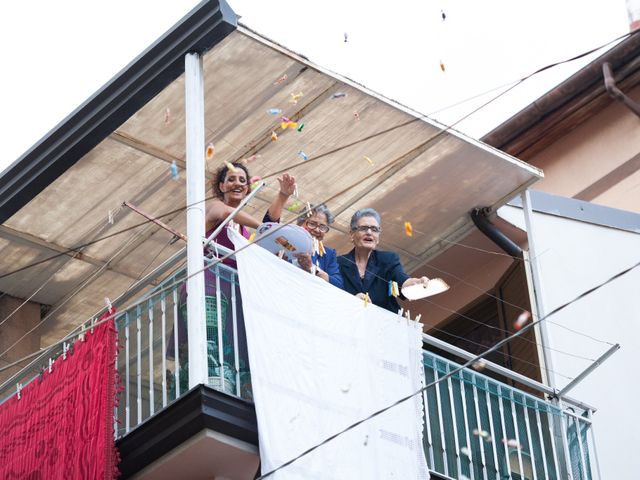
x=317, y=226
x=366, y=228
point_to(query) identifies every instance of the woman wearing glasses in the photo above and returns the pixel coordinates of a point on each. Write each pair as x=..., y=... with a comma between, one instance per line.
x=324, y=260
x=367, y=270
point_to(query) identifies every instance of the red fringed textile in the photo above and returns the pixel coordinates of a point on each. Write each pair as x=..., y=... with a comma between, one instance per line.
x=62, y=427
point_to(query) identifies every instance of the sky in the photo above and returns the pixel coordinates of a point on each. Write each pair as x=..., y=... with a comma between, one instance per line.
x=57, y=54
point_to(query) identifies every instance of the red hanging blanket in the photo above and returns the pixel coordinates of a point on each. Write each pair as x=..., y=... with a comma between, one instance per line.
x=62, y=426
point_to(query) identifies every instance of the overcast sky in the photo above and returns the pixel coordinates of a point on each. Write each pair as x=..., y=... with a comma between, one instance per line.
x=56, y=54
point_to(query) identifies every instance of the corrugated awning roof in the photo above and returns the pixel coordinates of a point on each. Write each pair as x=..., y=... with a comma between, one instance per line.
x=420, y=174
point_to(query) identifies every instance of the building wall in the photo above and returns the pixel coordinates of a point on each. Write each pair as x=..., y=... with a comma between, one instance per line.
x=19, y=324
x=573, y=257
x=602, y=149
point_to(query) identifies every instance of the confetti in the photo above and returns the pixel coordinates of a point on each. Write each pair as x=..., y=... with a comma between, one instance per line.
x=274, y=111
x=252, y=237
x=408, y=229
x=255, y=182
x=167, y=116
x=303, y=155
x=274, y=136
x=300, y=127
x=356, y=116
x=210, y=151
x=366, y=299
x=442, y=66
x=444, y=17
x=174, y=170
x=294, y=207
x=309, y=212
x=252, y=158
x=282, y=79
x=522, y=320
x=339, y=95
x=481, y=433
x=479, y=365
x=289, y=124
x=345, y=389
x=393, y=289
x=346, y=37
x=230, y=167
x=368, y=160
x=511, y=443
x=466, y=452
x=295, y=97
x=366, y=440
x=321, y=250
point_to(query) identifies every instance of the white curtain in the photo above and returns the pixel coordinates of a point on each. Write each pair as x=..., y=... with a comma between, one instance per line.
x=320, y=361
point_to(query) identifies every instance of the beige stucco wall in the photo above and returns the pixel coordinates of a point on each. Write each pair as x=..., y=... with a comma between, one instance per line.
x=590, y=152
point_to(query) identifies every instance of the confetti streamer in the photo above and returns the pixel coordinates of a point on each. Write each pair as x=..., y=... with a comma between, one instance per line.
x=282, y=79
x=522, y=320
x=303, y=155
x=274, y=136
x=442, y=66
x=174, y=171
x=368, y=160
x=339, y=95
x=300, y=127
x=167, y=116
x=295, y=97
x=408, y=229
x=274, y=111
x=210, y=151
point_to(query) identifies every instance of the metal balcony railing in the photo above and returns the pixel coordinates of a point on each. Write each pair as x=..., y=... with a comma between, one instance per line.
x=475, y=427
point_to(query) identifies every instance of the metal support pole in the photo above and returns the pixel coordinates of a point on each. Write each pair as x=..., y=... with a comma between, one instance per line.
x=194, y=110
x=537, y=303
x=572, y=384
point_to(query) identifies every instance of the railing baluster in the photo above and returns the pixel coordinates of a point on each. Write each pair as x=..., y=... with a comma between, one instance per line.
x=492, y=433
x=553, y=438
x=455, y=423
x=439, y=403
x=517, y=435
x=472, y=472
x=543, y=449
x=236, y=353
x=583, y=459
x=427, y=424
x=176, y=353
x=504, y=430
x=139, y=364
x=528, y=430
x=219, y=321
x=127, y=356
x=151, y=392
x=480, y=428
x=163, y=309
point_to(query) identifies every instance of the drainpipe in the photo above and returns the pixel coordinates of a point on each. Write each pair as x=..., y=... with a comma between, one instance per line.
x=615, y=92
x=479, y=217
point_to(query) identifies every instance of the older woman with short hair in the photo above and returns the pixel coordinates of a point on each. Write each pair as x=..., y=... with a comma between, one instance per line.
x=367, y=270
x=323, y=261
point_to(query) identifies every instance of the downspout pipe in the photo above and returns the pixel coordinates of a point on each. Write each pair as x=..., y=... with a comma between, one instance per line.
x=479, y=217
x=615, y=92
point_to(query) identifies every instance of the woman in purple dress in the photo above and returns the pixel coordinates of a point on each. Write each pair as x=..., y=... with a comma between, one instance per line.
x=222, y=291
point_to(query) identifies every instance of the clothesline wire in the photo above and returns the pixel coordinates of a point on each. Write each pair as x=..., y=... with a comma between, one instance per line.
x=448, y=375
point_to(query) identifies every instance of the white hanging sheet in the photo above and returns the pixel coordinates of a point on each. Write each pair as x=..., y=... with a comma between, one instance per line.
x=320, y=361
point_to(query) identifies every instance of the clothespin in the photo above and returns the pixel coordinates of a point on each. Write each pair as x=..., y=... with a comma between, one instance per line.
x=367, y=299
x=400, y=312
x=50, y=365
x=65, y=349
x=107, y=303
x=418, y=317
x=281, y=254
x=407, y=315
x=19, y=389
x=83, y=329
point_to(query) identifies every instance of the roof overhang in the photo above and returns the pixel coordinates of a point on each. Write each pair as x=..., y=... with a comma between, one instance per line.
x=119, y=146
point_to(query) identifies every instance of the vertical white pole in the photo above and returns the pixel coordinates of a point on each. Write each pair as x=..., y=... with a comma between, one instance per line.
x=194, y=110
x=534, y=270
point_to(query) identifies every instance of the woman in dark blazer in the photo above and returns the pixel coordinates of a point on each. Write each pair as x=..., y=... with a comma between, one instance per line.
x=367, y=270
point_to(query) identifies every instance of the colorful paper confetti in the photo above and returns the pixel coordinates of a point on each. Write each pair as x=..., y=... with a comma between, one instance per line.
x=282, y=79
x=252, y=237
x=366, y=299
x=274, y=111
x=511, y=443
x=321, y=250
x=522, y=320
x=466, y=452
x=274, y=136
x=230, y=167
x=210, y=151
x=252, y=158
x=444, y=17
x=339, y=95
x=174, y=171
x=295, y=97
x=294, y=207
x=442, y=66
x=289, y=124
x=300, y=127
x=346, y=37
x=368, y=160
x=167, y=116
x=408, y=229
x=303, y=155
x=393, y=289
